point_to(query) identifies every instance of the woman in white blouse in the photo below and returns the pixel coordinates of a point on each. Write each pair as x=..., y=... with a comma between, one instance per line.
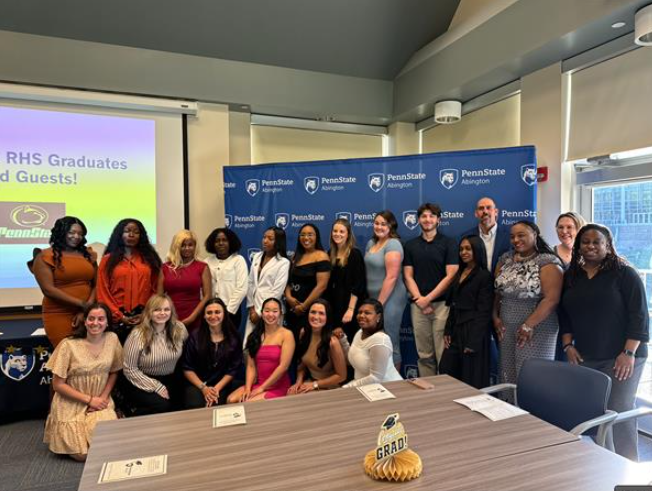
x=151, y=353
x=371, y=350
x=268, y=275
x=228, y=270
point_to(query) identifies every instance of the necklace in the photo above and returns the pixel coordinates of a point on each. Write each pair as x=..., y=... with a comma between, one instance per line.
x=521, y=259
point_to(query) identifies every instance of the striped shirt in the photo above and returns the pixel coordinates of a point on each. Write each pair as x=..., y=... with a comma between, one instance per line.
x=139, y=367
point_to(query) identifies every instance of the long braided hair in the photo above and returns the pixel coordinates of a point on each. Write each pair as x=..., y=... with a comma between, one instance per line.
x=58, y=238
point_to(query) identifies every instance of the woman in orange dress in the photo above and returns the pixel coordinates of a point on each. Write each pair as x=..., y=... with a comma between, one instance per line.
x=128, y=274
x=66, y=273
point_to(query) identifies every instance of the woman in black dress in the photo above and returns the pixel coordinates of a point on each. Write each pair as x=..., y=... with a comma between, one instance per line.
x=471, y=297
x=604, y=322
x=309, y=273
x=347, y=285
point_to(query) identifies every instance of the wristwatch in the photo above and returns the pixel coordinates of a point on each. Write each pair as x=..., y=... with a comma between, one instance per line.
x=629, y=352
x=315, y=385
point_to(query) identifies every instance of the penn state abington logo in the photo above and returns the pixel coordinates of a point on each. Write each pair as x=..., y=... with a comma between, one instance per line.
x=346, y=215
x=448, y=177
x=376, y=181
x=410, y=219
x=529, y=174
x=311, y=184
x=251, y=253
x=17, y=365
x=282, y=220
x=228, y=220
x=252, y=186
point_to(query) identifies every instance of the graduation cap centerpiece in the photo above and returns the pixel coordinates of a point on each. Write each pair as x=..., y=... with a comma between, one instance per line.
x=392, y=460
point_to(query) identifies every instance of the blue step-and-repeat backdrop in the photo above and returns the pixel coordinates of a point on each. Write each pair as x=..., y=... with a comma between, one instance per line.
x=289, y=195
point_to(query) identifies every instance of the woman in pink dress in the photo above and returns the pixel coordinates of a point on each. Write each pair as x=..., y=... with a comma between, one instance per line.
x=185, y=279
x=270, y=349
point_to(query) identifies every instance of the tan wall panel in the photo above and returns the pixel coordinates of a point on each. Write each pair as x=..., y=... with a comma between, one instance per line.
x=271, y=144
x=493, y=126
x=611, y=106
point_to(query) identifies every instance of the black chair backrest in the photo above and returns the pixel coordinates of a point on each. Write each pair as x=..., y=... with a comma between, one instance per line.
x=562, y=394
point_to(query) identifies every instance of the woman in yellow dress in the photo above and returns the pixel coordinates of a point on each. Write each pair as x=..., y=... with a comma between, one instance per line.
x=85, y=366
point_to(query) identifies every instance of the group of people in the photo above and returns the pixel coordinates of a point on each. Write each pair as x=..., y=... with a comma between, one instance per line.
x=326, y=319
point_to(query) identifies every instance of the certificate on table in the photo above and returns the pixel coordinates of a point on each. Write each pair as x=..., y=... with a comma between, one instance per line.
x=229, y=416
x=133, y=468
x=492, y=408
x=376, y=392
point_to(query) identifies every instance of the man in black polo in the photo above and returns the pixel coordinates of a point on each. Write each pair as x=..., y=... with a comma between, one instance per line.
x=429, y=265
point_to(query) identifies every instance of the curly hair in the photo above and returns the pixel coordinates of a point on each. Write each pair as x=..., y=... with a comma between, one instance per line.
x=116, y=247
x=234, y=241
x=58, y=238
x=611, y=261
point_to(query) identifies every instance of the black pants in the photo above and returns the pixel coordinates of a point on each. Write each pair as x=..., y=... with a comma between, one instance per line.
x=137, y=402
x=194, y=399
x=470, y=368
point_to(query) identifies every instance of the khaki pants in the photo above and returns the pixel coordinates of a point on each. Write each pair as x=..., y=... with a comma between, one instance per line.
x=429, y=336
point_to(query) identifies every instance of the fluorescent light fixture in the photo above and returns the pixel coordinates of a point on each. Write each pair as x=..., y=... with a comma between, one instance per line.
x=632, y=154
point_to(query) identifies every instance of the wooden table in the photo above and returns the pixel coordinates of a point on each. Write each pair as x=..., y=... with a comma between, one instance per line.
x=317, y=441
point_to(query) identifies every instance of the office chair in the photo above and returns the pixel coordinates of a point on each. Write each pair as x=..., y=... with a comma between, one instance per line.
x=571, y=397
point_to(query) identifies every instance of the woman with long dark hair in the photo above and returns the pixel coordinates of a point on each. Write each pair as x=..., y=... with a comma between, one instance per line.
x=211, y=357
x=470, y=298
x=85, y=367
x=370, y=354
x=270, y=348
x=228, y=270
x=322, y=362
x=152, y=351
x=128, y=274
x=347, y=285
x=604, y=321
x=528, y=285
x=268, y=275
x=310, y=270
x=383, y=261
x=66, y=273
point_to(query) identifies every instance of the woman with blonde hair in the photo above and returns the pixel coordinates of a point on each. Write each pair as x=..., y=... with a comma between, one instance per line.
x=186, y=279
x=151, y=353
x=347, y=285
x=567, y=226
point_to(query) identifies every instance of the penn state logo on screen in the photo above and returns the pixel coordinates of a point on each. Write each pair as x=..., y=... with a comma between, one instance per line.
x=529, y=174
x=282, y=220
x=376, y=181
x=251, y=253
x=449, y=177
x=410, y=219
x=346, y=215
x=311, y=184
x=16, y=364
x=252, y=186
x=228, y=220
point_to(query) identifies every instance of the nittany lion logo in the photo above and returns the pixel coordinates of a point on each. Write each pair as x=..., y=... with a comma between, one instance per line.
x=411, y=371
x=15, y=364
x=311, y=184
x=252, y=186
x=410, y=219
x=345, y=215
x=228, y=220
x=251, y=253
x=376, y=181
x=282, y=220
x=29, y=216
x=448, y=177
x=529, y=174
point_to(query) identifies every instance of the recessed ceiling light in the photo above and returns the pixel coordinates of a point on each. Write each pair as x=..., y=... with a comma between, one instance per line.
x=618, y=25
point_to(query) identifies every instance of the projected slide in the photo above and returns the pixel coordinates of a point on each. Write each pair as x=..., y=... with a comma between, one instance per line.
x=98, y=168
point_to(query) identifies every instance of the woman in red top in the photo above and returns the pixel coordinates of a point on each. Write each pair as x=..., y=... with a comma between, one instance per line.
x=128, y=274
x=185, y=279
